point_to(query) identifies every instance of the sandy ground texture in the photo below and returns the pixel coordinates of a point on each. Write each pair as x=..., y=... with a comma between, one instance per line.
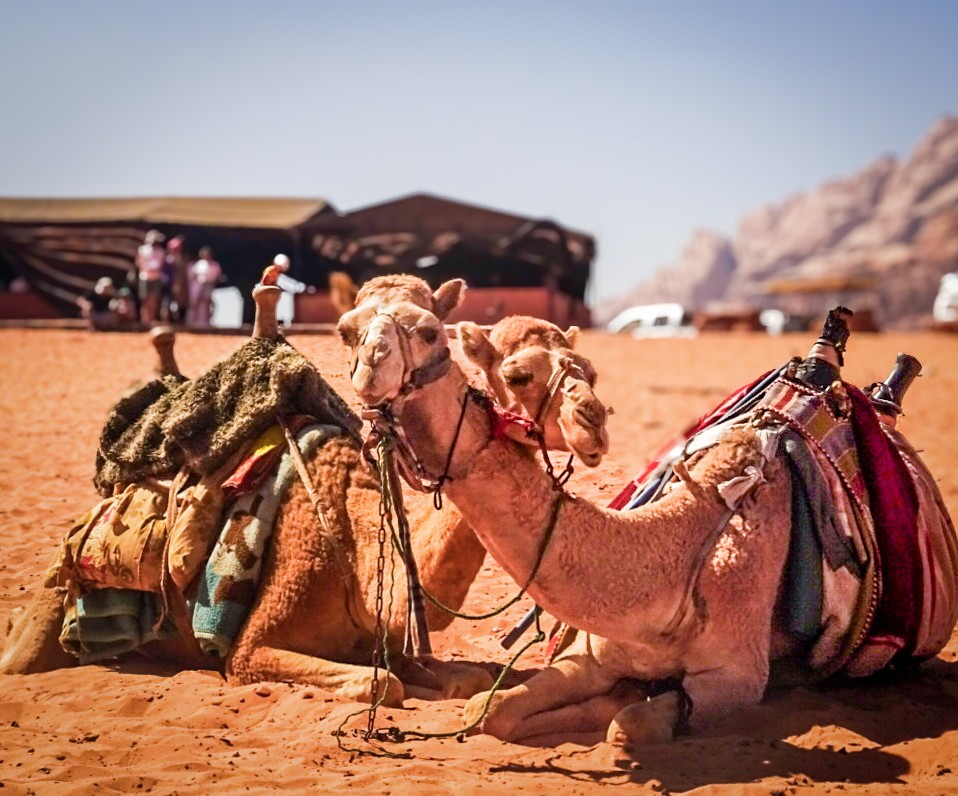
x=135, y=727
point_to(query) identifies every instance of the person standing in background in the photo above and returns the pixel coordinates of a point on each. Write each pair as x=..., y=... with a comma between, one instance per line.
x=205, y=275
x=286, y=307
x=178, y=266
x=97, y=306
x=150, y=263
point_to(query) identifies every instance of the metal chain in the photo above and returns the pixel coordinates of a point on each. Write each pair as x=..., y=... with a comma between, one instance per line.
x=380, y=650
x=378, y=635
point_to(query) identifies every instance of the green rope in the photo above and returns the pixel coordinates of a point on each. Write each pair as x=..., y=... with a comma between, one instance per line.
x=394, y=734
x=547, y=537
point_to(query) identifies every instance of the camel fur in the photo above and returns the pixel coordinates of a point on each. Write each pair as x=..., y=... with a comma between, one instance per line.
x=620, y=576
x=314, y=618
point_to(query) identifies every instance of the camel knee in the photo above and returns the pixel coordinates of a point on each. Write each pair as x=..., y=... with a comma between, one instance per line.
x=33, y=639
x=648, y=722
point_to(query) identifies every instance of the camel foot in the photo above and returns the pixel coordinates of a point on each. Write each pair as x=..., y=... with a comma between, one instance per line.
x=33, y=637
x=459, y=680
x=649, y=722
x=433, y=679
x=359, y=691
x=495, y=722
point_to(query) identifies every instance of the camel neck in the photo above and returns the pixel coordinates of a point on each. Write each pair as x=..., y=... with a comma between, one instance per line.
x=602, y=568
x=447, y=430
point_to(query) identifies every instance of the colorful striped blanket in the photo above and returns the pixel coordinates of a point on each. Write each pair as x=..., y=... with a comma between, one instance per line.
x=228, y=586
x=872, y=575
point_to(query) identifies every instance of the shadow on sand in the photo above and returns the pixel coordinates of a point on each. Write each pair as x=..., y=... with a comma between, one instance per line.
x=837, y=732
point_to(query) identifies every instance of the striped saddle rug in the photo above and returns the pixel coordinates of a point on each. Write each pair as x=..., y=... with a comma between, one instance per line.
x=872, y=575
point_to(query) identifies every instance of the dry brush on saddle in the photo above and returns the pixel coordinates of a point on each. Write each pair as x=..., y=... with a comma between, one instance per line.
x=171, y=444
x=690, y=587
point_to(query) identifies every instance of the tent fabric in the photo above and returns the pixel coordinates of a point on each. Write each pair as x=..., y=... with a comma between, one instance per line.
x=439, y=238
x=280, y=213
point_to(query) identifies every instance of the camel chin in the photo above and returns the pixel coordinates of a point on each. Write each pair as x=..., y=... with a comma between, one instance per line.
x=588, y=444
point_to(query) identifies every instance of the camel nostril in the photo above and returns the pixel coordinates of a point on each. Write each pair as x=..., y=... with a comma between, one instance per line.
x=592, y=415
x=373, y=353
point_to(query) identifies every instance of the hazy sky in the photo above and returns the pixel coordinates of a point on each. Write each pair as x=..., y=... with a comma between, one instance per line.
x=636, y=121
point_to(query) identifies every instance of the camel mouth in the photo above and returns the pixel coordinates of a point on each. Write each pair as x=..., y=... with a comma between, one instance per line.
x=583, y=426
x=589, y=459
x=588, y=444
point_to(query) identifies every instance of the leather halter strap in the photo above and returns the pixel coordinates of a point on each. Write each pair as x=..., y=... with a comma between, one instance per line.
x=412, y=378
x=556, y=380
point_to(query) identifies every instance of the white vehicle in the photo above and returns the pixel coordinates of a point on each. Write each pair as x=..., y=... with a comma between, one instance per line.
x=653, y=320
x=777, y=322
x=946, y=302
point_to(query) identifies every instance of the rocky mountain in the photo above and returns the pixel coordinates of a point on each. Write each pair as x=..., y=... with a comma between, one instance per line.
x=891, y=229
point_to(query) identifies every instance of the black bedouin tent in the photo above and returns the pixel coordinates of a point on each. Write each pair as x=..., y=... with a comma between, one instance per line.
x=439, y=238
x=62, y=246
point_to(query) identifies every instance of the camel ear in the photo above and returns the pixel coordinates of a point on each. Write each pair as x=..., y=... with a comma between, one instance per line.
x=447, y=297
x=342, y=292
x=476, y=345
x=572, y=335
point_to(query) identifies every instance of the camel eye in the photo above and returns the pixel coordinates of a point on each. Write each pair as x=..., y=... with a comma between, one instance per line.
x=517, y=378
x=429, y=334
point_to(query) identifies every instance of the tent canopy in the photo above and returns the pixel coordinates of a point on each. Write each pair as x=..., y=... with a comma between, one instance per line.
x=187, y=211
x=824, y=284
x=62, y=246
x=438, y=238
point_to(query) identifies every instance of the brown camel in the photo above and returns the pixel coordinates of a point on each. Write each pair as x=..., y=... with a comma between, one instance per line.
x=623, y=577
x=315, y=618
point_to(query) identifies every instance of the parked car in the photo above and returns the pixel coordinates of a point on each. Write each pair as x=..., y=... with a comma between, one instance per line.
x=945, y=309
x=653, y=320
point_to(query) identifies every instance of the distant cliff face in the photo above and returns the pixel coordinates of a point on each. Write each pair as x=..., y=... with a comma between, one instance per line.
x=895, y=222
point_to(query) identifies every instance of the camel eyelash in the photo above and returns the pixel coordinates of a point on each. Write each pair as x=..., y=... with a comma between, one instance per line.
x=428, y=334
x=517, y=379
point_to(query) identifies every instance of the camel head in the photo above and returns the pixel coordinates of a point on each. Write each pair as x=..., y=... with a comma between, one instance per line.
x=530, y=367
x=396, y=335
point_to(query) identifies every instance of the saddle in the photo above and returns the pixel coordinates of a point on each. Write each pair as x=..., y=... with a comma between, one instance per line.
x=872, y=576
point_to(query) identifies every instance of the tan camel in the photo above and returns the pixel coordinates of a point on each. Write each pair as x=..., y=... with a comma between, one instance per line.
x=314, y=621
x=620, y=576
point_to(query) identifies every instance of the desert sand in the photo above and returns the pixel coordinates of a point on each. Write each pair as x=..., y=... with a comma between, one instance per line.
x=138, y=727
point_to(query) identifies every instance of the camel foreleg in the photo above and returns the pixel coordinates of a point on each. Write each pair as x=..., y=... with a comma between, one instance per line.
x=33, y=640
x=711, y=696
x=431, y=678
x=543, y=705
x=348, y=680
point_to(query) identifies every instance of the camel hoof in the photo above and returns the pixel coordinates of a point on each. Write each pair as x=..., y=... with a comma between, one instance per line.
x=395, y=691
x=359, y=690
x=491, y=723
x=651, y=722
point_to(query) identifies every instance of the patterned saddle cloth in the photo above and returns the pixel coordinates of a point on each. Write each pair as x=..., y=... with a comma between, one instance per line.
x=872, y=575
x=888, y=545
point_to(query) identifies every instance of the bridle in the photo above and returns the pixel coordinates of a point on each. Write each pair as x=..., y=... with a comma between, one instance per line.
x=412, y=378
x=565, y=367
x=386, y=426
x=396, y=457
